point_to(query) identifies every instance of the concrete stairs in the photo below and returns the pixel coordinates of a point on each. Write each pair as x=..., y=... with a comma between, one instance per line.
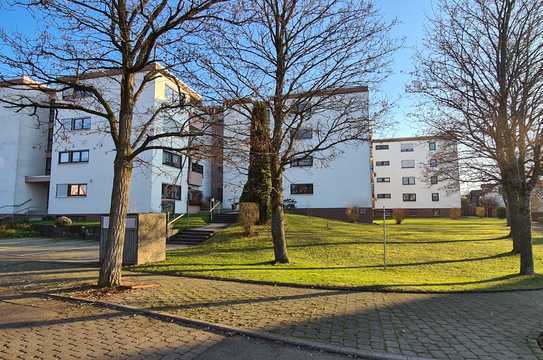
x=199, y=235
x=192, y=236
x=225, y=218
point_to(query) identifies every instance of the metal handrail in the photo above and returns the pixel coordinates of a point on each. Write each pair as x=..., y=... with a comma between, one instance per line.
x=16, y=205
x=213, y=209
x=176, y=218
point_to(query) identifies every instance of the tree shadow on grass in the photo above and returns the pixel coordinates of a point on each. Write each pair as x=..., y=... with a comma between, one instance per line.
x=221, y=267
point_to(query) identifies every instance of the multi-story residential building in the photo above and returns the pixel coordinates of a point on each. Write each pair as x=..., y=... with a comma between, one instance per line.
x=403, y=176
x=71, y=172
x=320, y=184
x=25, y=146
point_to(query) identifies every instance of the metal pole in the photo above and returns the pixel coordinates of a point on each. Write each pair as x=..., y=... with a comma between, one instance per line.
x=385, y=238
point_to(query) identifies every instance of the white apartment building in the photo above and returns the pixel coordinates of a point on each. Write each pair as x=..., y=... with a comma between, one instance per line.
x=322, y=184
x=403, y=177
x=74, y=170
x=24, y=180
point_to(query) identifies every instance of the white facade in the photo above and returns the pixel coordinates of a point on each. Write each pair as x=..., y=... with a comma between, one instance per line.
x=96, y=174
x=403, y=179
x=23, y=152
x=340, y=178
x=81, y=153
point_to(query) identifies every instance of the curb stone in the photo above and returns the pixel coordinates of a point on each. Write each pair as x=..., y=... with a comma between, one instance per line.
x=232, y=330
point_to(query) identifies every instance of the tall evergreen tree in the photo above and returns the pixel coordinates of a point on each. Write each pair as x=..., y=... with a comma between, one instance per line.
x=257, y=189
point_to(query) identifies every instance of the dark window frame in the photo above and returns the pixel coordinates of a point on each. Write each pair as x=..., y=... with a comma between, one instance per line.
x=435, y=197
x=409, y=197
x=168, y=194
x=407, y=149
x=408, y=182
x=172, y=156
x=385, y=179
x=433, y=163
x=305, y=133
x=302, y=162
x=382, y=163
x=197, y=168
x=302, y=189
x=432, y=146
x=434, y=180
x=384, y=196
x=70, y=154
x=80, y=192
x=382, y=147
x=85, y=123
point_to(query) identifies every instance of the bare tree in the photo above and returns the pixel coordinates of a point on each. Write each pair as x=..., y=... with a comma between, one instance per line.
x=298, y=57
x=482, y=74
x=119, y=41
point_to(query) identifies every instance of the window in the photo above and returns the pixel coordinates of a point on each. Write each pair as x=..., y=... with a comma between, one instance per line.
x=432, y=146
x=171, y=159
x=170, y=191
x=433, y=163
x=303, y=133
x=410, y=147
x=73, y=156
x=383, y=196
x=381, y=147
x=436, y=212
x=382, y=163
x=383, y=179
x=197, y=168
x=302, y=162
x=71, y=190
x=407, y=164
x=433, y=179
x=435, y=196
x=408, y=180
x=298, y=189
x=81, y=123
x=409, y=197
x=303, y=108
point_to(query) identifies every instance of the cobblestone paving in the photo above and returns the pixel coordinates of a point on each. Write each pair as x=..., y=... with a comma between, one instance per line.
x=34, y=327
x=456, y=326
x=49, y=329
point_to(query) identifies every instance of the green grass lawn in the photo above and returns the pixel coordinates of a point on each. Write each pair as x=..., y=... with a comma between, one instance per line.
x=190, y=221
x=423, y=255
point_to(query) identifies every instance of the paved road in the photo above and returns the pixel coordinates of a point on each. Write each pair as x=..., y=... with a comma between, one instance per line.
x=36, y=327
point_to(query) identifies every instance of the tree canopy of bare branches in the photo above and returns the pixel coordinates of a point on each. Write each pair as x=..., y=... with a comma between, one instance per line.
x=122, y=41
x=481, y=73
x=297, y=56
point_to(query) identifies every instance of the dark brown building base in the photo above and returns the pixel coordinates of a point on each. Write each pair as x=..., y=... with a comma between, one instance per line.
x=443, y=212
x=365, y=215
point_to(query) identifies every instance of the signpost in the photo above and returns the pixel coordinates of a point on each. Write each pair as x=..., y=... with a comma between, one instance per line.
x=384, y=238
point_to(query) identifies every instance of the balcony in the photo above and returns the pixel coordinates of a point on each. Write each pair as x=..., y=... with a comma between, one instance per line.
x=37, y=179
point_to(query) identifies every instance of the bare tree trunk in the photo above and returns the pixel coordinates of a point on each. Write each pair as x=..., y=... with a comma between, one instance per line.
x=278, y=215
x=521, y=229
x=111, y=268
x=512, y=221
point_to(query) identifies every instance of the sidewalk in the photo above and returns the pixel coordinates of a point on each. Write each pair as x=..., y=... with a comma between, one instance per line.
x=448, y=326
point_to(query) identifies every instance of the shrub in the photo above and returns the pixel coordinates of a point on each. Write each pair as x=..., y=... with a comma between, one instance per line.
x=480, y=212
x=501, y=213
x=289, y=204
x=248, y=216
x=455, y=213
x=353, y=214
x=63, y=221
x=399, y=215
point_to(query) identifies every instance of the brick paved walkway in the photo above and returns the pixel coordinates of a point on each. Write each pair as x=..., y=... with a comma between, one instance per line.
x=459, y=326
x=34, y=327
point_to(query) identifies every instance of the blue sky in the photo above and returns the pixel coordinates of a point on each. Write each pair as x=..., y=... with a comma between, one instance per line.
x=411, y=15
